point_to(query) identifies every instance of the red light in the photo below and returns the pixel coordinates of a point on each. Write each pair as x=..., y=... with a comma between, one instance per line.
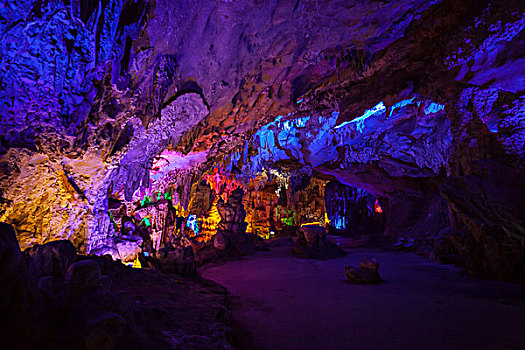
x=377, y=208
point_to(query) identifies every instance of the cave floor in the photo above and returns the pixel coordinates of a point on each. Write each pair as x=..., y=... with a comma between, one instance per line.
x=281, y=302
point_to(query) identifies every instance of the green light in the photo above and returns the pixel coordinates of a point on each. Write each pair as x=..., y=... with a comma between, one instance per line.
x=287, y=221
x=167, y=196
x=147, y=222
x=146, y=200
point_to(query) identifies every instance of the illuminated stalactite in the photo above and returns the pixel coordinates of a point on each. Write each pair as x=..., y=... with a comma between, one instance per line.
x=210, y=223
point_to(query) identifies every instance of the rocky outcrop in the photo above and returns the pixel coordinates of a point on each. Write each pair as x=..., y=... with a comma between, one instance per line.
x=177, y=260
x=488, y=212
x=232, y=228
x=366, y=273
x=68, y=301
x=391, y=97
x=311, y=242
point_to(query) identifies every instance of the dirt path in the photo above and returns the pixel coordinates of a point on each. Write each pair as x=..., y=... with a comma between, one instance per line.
x=289, y=303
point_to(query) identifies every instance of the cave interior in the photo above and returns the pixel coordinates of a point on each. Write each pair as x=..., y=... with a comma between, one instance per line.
x=169, y=167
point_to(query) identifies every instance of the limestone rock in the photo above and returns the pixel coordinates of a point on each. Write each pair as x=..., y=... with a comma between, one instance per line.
x=490, y=224
x=128, y=250
x=311, y=242
x=177, y=260
x=366, y=273
x=51, y=259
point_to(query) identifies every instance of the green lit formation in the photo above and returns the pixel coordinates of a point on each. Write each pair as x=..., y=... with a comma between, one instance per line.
x=146, y=200
x=147, y=222
x=287, y=221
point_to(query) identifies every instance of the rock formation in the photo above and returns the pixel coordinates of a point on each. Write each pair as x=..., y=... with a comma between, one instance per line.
x=64, y=300
x=311, y=242
x=366, y=273
x=104, y=105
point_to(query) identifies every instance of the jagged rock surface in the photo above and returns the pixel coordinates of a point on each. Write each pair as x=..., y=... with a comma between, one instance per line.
x=68, y=301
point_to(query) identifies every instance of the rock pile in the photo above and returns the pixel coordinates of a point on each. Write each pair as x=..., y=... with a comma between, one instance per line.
x=52, y=298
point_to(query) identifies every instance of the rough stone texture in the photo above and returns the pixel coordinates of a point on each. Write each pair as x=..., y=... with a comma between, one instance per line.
x=18, y=293
x=51, y=259
x=232, y=226
x=488, y=212
x=101, y=304
x=366, y=273
x=177, y=260
x=311, y=242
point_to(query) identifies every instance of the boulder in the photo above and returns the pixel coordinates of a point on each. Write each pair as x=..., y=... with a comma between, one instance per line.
x=180, y=261
x=128, y=250
x=315, y=236
x=366, y=273
x=83, y=277
x=51, y=259
x=310, y=242
x=18, y=298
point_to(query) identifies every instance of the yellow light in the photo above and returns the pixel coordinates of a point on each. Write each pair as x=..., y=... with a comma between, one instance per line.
x=316, y=223
x=136, y=263
x=326, y=219
x=209, y=224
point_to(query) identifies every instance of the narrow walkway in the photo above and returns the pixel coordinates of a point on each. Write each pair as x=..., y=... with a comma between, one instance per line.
x=290, y=303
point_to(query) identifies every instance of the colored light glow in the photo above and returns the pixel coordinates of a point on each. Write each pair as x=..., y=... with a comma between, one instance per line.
x=169, y=161
x=146, y=200
x=136, y=263
x=193, y=224
x=339, y=222
x=434, y=108
x=210, y=223
x=315, y=223
x=377, y=207
x=167, y=196
x=401, y=104
x=287, y=221
x=360, y=122
x=147, y=222
x=221, y=184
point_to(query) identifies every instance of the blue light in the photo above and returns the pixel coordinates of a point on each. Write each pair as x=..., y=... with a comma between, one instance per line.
x=434, y=108
x=360, y=122
x=339, y=222
x=401, y=104
x=193, y=224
